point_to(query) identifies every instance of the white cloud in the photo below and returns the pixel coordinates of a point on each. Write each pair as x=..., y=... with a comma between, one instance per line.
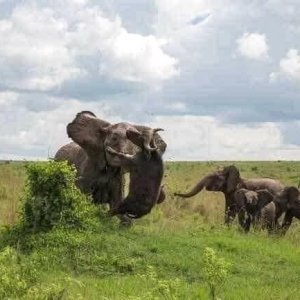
x=289, y=67
x=81, y=49
x=28, y=134
x=33, y=50
x=290, y=64
x=7, y=99
x=205, y=138
x=25, y=133
x=124, y=55
x=253, y=46
x=41, y=47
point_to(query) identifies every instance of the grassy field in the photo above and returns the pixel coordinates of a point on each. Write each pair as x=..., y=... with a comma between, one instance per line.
x=161, y=255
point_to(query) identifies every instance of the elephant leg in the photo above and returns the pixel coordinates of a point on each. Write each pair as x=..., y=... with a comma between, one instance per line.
x=230, y=208
x=244, y=219
x=241, y=217
x=287, y=221
x=256, y=220
x=248, y=223
x=84, y=184
x=230, y=213
x=115, y=187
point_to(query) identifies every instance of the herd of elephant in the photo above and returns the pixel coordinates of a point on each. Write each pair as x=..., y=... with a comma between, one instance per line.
x=257, y=202
x=102, y=153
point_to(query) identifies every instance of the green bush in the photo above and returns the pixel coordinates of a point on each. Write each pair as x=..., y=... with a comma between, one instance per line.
x=51, y=198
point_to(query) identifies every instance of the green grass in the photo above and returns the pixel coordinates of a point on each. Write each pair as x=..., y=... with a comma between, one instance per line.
x=109, y=262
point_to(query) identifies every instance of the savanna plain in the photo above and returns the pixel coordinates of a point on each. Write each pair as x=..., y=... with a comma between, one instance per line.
x=161, y=256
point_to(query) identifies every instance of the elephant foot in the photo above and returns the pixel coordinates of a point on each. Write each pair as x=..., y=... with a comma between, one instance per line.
x=125, y=221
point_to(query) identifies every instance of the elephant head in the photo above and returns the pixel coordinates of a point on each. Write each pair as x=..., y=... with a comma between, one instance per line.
x=95, y=136
x=288, y=199
x=225, y=180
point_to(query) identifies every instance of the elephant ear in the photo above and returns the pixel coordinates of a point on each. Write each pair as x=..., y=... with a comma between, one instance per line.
x=264, y=198
x=233, y=177
x=135, y=136
x=88, y=131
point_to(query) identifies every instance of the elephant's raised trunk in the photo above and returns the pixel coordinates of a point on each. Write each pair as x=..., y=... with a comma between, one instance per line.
x=195, y=190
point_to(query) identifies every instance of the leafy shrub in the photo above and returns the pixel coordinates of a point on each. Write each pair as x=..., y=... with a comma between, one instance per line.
x=215, y=270
x=160, y=288
x=51, y=197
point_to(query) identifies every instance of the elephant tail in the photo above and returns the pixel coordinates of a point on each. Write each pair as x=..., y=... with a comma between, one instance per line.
x=194, y=191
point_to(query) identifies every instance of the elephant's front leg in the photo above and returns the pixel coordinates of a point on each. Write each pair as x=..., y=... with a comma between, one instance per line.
x=230, y=209
x=116, y=189
x=230, y=214
x=286, y=223
x=241, y=217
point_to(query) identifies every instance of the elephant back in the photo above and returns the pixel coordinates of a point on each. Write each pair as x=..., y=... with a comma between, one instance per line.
x=72, y=153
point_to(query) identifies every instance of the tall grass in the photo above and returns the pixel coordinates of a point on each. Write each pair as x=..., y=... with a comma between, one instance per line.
x=12, y=177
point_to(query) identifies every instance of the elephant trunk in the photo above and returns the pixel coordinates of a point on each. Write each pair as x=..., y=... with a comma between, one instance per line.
x=195, y=190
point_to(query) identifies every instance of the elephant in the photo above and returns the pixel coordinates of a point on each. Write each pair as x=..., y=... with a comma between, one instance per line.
x=249, y=205
x=227, y=181
x=99, y=172
x=145, y=190
x=288, y=202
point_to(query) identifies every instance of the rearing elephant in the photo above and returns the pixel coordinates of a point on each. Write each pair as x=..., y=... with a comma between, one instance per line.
x=227, y=181
x=99, y=171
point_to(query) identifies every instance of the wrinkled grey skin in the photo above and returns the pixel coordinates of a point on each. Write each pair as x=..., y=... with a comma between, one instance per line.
x=146, y=174
x=98, y=171
x=288, y=202
x=249, y=205
x=227, y=181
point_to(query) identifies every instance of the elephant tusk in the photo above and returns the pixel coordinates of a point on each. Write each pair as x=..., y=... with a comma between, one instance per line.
x=111, y=150
x=124, y=155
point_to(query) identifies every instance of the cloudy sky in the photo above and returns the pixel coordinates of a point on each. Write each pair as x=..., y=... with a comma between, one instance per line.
x=221, y=77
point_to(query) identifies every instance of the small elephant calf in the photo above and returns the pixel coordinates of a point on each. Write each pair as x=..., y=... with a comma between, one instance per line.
x=288, y=202
x=249, y=205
